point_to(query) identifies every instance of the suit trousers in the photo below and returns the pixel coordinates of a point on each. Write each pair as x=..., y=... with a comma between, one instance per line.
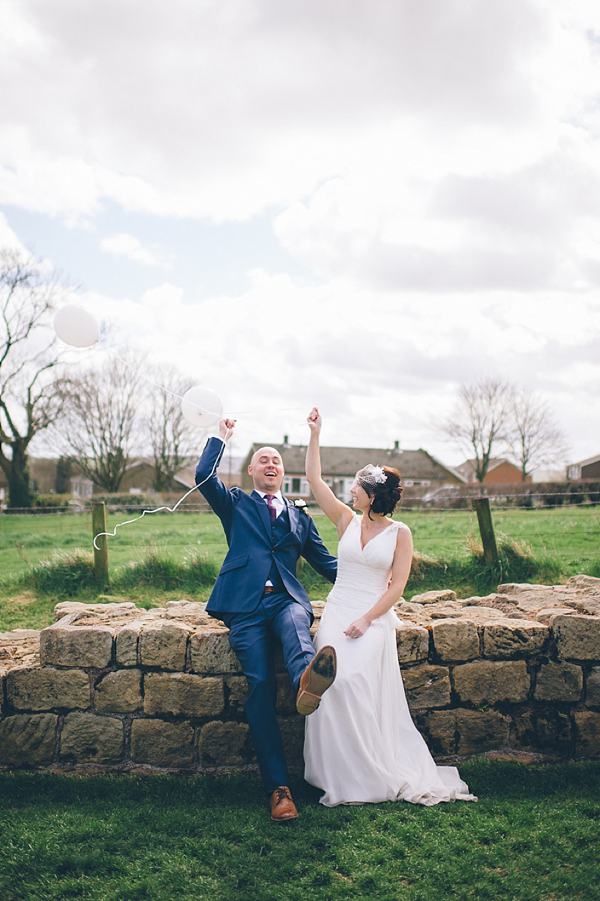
x=252, y=635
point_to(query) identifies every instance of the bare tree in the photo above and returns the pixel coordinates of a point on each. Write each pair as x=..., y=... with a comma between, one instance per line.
x=29, y=399
x=171, y=437
x=534, y=438
x=480, y=421
x=103, y=408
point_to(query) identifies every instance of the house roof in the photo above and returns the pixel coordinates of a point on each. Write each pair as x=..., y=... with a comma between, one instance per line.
x=186, y=476
x=587, y=462
x=345, y=461
x=468, y=467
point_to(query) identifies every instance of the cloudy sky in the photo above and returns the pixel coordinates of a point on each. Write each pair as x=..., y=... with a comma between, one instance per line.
x=359, y=204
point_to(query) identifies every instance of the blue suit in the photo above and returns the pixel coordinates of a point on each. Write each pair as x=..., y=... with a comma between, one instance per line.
x=261, y=550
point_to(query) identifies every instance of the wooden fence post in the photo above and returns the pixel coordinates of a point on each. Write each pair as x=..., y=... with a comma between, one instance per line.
x=486, y=527
x=101, y=544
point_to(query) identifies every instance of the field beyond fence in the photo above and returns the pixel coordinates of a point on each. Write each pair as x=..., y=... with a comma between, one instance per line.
x=175, y=555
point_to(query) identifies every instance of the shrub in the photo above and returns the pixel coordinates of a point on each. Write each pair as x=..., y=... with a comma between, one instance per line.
x=515, y=563
x=64, y=574
x=160, y=571
x=50, y=503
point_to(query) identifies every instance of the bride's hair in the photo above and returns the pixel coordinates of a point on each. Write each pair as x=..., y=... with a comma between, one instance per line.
x=386, y=495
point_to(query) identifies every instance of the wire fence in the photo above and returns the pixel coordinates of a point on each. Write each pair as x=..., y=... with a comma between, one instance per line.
x=444, y=500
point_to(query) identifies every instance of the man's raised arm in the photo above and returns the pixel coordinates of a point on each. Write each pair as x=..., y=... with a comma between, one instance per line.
x=209, y=484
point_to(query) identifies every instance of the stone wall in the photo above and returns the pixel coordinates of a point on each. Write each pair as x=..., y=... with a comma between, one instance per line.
x=114, y=687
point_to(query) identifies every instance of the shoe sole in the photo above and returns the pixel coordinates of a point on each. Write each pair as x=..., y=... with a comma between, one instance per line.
x=320, y=676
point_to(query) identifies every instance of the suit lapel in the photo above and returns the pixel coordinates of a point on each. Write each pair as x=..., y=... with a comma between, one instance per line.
x=263, y=512
x=294, y=515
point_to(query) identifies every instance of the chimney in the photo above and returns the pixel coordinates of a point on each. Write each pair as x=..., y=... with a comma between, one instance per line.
x=396, y=445
x=286, y=442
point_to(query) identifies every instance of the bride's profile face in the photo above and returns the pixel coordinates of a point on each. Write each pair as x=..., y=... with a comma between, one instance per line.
x=360, y=499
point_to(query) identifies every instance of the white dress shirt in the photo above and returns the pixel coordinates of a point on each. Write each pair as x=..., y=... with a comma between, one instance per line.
x=279, y=505
x=278, y=501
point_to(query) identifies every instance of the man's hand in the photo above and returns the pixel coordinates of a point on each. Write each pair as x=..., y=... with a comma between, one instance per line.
x=314, y=420
x=226, y=427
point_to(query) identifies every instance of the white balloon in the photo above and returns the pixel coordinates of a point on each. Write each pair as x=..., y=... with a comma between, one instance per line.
x=76, y=326
x=201, y=407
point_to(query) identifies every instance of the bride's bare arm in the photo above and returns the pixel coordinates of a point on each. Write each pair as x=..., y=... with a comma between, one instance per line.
x=400, y=573
x=338, y=513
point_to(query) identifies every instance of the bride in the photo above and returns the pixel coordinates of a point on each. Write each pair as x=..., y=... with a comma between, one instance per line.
x=361, y=744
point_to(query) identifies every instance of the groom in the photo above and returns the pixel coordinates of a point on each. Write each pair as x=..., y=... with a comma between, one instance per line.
x=258, y=597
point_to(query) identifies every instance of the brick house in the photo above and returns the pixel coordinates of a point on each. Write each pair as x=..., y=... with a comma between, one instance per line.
x=500, y=472
x=586, y=469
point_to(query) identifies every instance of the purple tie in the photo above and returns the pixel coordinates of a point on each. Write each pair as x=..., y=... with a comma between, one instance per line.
x=271, y=506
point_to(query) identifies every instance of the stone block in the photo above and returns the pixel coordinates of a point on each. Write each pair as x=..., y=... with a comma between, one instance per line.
x=119, y=692
x=455, y=639
x=161, y=744
x=286, y=696
x=487, y=681
x=587, y=726
x=438, y=728
x=225, y=744
x=85, y=646
x=543, y=731
x=86, y=738
x=28, y=739
x=592, y=692
x=127, y=644
x=427, y=685
x=292, y=734
x=237, y=692
x=480, y=731
x=514, y=638
x=412, y=642
x=438, y=596
x=211, y=653
x=164, y=645
x=45, y=688
x=577, y=637
x=183, y=694
x=559, y=682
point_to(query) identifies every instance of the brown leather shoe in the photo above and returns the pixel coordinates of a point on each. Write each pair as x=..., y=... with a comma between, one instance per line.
x=282, y=806
x=316, y=678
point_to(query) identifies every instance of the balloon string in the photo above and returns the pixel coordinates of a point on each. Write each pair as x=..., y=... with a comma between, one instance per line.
x=127, y=522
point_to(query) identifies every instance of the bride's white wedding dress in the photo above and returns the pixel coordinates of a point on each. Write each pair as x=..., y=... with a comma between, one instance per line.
x=361, y=744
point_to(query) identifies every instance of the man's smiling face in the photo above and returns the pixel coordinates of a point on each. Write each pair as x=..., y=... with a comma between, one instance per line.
x=266, y=469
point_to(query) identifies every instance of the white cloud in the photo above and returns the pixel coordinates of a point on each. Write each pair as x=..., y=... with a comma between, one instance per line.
x=435, y=164
x=129, y=246
x=8, y=237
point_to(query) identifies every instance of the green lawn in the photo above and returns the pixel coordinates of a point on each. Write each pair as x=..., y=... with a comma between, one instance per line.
x=532, y=836
x=570, y=533
x=562, y=541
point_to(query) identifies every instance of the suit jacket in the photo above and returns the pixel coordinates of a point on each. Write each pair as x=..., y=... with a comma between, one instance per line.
x=247, y=524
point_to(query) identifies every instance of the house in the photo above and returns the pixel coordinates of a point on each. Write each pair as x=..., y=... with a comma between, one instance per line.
x=420, y=471
x=229, y=471
x=500, y=472
x=42, y=474
x=138, y=478
x=586, y=469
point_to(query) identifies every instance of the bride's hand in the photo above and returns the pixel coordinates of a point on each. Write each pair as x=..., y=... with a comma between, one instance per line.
x=314, y=420
x=357, y=628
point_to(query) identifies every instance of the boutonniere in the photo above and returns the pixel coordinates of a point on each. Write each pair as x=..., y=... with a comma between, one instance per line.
x=300, y=504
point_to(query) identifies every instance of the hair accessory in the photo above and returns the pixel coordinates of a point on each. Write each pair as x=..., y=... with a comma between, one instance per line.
x=371, y=475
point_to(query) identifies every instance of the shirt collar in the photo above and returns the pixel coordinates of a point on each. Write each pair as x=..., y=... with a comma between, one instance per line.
x=263, y=494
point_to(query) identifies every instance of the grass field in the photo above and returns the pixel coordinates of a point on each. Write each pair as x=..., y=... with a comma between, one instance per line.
x=558, y=543
x=531, y=837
